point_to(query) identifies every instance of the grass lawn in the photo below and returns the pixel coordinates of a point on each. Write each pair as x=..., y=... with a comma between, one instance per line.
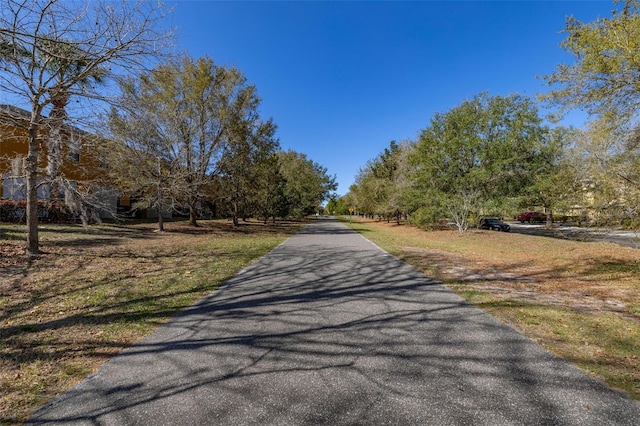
x=580, y=300
x=97, y=290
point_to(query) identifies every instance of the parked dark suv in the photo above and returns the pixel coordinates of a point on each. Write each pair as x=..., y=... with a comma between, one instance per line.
x=493, y=223
x=532, y=217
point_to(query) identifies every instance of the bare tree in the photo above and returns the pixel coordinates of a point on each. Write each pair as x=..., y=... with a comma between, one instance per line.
x=144, y=146
x=188, y=113
x=50, y=51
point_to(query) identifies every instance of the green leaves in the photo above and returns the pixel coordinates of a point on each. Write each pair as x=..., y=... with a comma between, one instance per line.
x=484, y=149
x=606, y=74
x=306, y=184
x=188, y=126
x=605, y=81
x=383, y=187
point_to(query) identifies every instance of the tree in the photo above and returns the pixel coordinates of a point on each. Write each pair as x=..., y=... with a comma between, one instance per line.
x=332, y=206
x=483, y=150
x=383, y=171
x=604, y=80
x=41, y=40
x=201, y=113
x=557, y=183
x=143, y=149
x=343, y=204
x=307, y=184
x=247, y=159
x=392, y=171
x=381, y=186
x=202, y=93
x=607, y=157
x=271, y=200
x=369, y=191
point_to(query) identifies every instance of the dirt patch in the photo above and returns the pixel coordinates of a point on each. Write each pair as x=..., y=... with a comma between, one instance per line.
x=596, y=276
x=529, y=283
x=12, y=258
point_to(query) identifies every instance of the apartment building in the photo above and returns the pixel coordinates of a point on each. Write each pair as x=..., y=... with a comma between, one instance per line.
x=80, y=165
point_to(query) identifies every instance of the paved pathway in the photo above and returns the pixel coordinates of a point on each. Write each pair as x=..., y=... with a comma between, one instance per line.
x=329, y=329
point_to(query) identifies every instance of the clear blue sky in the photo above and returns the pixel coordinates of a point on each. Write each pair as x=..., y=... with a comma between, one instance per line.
x=343, y=79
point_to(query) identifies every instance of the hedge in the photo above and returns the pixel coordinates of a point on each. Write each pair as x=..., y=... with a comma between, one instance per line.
x=48, y=211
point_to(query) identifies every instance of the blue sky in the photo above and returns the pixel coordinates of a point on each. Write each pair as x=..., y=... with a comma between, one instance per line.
x=343, y=79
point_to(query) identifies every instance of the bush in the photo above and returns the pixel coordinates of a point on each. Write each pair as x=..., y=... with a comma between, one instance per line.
x=566, y=218
x=428, y=217
x=631, y=223
x=48, y=211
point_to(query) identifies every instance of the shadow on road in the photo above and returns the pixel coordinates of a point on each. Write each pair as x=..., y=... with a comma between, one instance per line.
x=328, y=329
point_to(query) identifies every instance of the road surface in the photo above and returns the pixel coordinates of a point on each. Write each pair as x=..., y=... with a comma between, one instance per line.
x=329, y=329
x=568, y=232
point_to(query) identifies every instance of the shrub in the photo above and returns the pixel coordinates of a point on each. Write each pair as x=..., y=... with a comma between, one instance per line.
x=48, y=211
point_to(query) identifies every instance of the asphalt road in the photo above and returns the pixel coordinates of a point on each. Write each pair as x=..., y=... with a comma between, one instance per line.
x=329, y=329
x=568, y=232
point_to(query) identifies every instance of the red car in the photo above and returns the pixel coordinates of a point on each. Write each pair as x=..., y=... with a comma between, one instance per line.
x=532, y=217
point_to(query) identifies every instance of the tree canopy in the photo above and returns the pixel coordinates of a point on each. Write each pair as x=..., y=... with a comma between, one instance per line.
x=605, y=82
x=382, y=185
x=605, y=78
x=197, y=125
x=483, y=150
x=307, y=184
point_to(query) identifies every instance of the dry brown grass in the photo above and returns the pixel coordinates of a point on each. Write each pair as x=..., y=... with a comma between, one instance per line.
x=97, y=290
x=580, y=300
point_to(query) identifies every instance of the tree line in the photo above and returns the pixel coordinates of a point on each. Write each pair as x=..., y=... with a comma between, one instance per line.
x=496, y=155
x=181, y=134
x=187, y=135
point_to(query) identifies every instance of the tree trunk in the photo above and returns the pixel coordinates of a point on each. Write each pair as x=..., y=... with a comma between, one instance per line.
x=235, y=214
x=549, y=217
x=160, y=207
x=192, y=213
x=54, y=143
x=160, y=221
x=31, y=171
x=159, y=194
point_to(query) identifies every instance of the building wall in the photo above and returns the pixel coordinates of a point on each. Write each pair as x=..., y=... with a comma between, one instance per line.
x=79, y=160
